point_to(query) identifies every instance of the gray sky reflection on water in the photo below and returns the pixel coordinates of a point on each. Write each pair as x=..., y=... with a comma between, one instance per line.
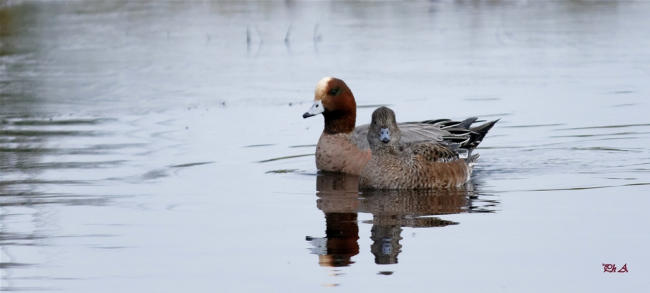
x=159, y=146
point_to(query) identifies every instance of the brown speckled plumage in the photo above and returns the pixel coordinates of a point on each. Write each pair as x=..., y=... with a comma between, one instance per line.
x=414, y=165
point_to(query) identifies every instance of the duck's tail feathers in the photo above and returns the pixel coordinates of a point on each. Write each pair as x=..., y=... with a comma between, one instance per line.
x=466, y=123
x=477, y=134
x=471, y=161
x=483, y=129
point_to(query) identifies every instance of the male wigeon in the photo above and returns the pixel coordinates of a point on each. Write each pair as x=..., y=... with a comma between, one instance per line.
x=396, y=164
x=344, y=148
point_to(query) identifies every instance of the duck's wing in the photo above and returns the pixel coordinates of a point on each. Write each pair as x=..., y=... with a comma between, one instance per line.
x=418, y=131
x=359, y=137
x=448, y=123
x=411, y=132
x=459, y=144
x=461, y=133
x=433, y=152
x=456, y=133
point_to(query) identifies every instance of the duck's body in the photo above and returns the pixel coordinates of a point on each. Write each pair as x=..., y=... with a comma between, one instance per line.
x=350, y=153
x=344, y=148
x=414, y=165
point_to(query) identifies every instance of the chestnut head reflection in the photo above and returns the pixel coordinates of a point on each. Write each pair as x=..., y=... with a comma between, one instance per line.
x=338, y=198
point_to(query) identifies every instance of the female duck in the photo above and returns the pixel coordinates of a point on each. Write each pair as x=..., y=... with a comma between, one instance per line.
x=413, y=165
x=344, y=148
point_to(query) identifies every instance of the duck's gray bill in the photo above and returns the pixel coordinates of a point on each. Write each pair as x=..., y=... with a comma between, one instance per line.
x=384, y=135
x=316, y=108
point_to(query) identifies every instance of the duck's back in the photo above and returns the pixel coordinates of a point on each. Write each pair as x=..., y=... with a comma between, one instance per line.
x=411, y=132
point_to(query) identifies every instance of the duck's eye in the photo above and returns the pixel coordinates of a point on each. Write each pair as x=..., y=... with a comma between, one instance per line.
x=333, y=92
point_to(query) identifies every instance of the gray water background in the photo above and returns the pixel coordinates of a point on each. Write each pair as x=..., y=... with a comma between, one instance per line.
x=159, y=146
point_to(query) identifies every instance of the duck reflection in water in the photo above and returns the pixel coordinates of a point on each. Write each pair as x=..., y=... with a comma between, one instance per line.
x=338, y=198
x=340, y=201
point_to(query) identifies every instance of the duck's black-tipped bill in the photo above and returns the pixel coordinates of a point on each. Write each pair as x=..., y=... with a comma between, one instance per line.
x=316, y=108
x=384, y=135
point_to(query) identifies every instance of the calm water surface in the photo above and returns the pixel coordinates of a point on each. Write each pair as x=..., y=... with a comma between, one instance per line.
x=159, y=146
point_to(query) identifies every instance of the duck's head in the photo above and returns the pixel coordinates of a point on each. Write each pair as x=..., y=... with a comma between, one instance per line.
x=383, y=131
x=333, y=98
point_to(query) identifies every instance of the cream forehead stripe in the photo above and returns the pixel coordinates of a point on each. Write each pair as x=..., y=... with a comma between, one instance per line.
x=321, y=86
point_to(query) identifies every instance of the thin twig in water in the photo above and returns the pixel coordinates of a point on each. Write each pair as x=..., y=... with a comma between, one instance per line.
x=261, y=40
x=286, y=38
x=248, y=38
x=316, y=38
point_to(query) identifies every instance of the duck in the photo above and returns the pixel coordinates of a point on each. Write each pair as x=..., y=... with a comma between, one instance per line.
x=415, y=165
x=343, y=147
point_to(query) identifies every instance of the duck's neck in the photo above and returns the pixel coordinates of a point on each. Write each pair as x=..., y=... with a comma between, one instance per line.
x=384, y=150
x=339, y=122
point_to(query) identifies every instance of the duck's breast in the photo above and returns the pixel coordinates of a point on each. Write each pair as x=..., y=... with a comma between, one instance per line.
x=337, y=153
